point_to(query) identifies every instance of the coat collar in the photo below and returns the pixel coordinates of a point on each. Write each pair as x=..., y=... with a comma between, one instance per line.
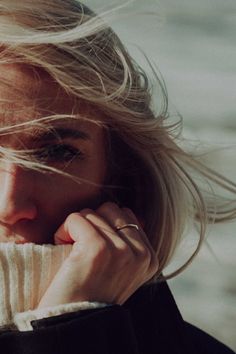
x=157, y=320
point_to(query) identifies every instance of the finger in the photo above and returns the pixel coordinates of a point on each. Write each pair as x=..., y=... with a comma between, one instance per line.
x=77, y=229
x=116, y=217
x=104, y=227
x=135, y=220
x=154, y=263
x=136, y=238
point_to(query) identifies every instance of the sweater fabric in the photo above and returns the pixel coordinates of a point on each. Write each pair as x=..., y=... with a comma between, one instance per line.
x=149, y=322
x=26, y=270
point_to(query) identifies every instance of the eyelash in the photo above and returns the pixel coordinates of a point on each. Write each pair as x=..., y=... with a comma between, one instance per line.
x=58, y=153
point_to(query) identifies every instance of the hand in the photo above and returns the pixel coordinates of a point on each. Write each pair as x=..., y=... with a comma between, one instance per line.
x=104, y=265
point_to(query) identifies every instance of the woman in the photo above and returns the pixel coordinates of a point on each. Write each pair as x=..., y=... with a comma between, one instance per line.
x=95, y=192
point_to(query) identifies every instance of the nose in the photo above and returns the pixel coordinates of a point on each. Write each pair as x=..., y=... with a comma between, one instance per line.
x=16, y=187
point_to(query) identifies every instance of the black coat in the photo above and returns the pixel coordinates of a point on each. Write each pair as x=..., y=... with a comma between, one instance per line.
x=148, y=323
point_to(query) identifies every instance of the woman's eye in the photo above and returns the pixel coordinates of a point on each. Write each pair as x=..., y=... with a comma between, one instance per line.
x=58, y=153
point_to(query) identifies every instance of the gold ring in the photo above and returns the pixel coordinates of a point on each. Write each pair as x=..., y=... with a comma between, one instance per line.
x=118, y=228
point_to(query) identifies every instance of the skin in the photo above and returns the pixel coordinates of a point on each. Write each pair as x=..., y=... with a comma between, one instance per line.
x=105, y=264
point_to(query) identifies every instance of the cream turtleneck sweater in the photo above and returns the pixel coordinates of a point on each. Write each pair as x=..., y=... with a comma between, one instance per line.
x=26, y=270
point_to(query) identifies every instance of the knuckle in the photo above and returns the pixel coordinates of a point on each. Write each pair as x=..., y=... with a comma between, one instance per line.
x=145, y=253
x=145, y=260
x=124, y=253
x=72, y=217
x=107, y=206
x=128, y=211
x=155, y=263
x=86, y=211
x=124, y=249
x=101, y=247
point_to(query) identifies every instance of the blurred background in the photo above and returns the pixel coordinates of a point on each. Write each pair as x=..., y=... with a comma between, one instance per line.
x=193, y=44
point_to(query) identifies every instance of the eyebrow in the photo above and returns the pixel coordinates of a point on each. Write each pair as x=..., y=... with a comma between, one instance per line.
x=61, y=133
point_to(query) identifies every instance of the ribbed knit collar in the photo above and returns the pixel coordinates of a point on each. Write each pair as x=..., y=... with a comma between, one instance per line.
x=26, y=271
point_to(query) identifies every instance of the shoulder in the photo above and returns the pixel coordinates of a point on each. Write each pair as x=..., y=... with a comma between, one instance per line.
x=204, y=342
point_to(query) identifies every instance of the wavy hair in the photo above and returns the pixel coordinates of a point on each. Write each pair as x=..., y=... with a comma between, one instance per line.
x=148, y=170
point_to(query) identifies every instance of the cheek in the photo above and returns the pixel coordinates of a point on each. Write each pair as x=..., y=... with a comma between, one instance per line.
x=64, y=196
x=83, y=195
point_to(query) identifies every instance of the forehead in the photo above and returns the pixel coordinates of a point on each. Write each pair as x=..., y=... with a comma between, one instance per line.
x=28, y=93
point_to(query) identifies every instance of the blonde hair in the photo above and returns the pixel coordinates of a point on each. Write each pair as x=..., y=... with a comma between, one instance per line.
x=151, y=174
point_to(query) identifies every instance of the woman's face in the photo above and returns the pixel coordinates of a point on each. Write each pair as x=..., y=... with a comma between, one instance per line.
x=34, y=204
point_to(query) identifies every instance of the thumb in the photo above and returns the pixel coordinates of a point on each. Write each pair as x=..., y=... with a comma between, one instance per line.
x=75, y=227
x=62, y=235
